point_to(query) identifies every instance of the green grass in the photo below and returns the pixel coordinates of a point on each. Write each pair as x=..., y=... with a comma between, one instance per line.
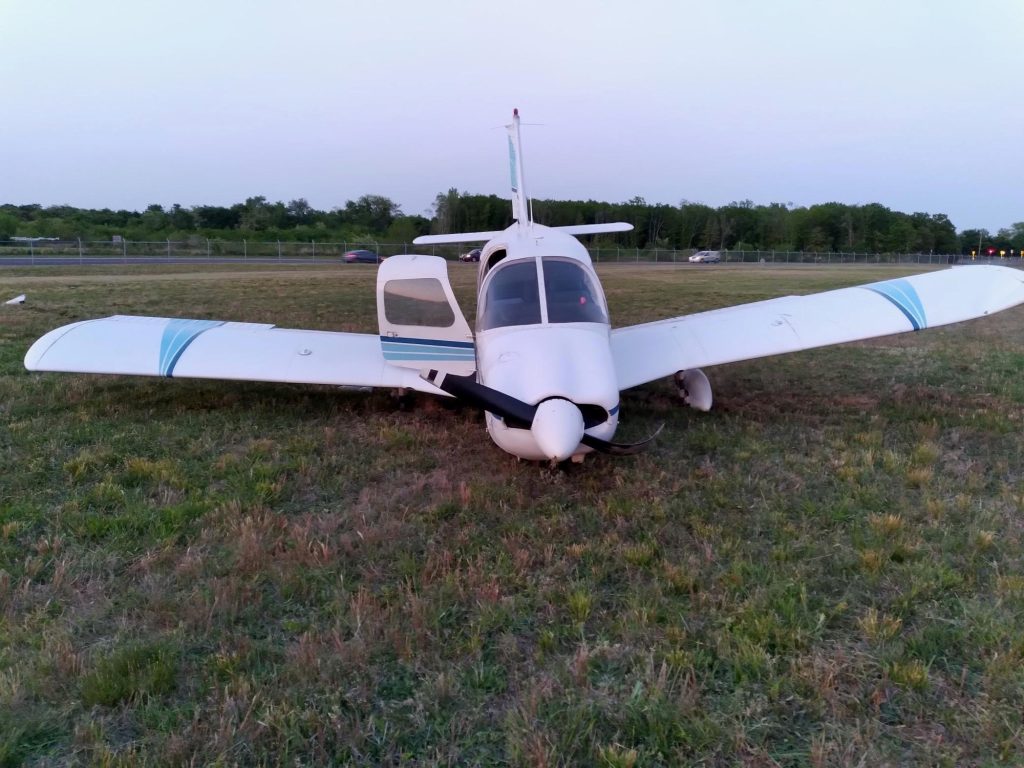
x=824, y=570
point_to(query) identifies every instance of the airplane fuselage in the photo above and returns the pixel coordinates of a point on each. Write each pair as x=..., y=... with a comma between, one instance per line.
x=543, y=337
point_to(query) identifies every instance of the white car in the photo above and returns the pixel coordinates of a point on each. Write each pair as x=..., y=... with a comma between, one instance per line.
x=706, y=257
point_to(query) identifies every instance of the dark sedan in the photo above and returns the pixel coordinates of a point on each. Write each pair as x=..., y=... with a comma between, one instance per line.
x=361, y=257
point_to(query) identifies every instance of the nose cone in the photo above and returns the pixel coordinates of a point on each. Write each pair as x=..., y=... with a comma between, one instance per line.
x=557, y=428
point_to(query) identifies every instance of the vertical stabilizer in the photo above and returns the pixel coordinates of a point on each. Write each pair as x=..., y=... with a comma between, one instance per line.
x=520, y=205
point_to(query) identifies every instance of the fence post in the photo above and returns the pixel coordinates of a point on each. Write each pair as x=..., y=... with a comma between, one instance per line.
x=208, y=250
x=314, y=249
x=168, y=249
x=124, y=249
x=245, y=250
x=79, y=250
x=278, y=250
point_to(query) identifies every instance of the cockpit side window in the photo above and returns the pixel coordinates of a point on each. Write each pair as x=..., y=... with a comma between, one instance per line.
x=572, y=295
x=512, y=296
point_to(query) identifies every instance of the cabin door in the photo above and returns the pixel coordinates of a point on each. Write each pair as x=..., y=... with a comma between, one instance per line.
x=421, y=325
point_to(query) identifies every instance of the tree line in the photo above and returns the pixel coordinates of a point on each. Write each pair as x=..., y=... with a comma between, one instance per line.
x=368, y=217
x=742, y=225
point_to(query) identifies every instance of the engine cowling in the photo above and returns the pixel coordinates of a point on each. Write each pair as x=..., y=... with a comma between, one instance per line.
x=694, y=389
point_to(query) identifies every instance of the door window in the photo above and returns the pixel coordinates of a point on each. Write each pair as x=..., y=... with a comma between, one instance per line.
x=417, y=301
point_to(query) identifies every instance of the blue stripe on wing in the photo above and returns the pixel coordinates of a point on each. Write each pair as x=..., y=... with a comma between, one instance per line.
x=177, y=335
x=904, y=297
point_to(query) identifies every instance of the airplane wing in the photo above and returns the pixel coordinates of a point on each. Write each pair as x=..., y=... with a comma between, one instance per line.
x=651, y=351
x=210, y=349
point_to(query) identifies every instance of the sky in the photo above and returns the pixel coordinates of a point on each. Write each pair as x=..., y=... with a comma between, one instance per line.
x=910, y=103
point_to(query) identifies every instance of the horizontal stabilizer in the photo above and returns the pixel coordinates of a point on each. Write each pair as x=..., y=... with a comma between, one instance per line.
x=595, y=229
x=481, y=237
x=457, y=237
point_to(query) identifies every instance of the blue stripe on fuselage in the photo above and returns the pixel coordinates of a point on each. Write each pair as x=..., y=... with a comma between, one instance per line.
x=427, y=342
x=441, y=350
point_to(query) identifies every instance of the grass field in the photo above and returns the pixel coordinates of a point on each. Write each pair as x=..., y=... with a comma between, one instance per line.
x=825, y=570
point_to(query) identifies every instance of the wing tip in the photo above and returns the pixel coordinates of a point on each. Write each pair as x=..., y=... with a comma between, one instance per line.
x=42, y=345
x=35, y=353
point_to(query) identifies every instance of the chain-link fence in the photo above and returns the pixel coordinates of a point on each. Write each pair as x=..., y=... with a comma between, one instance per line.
x=47, y=251
x=39, y=251
x=656, y=255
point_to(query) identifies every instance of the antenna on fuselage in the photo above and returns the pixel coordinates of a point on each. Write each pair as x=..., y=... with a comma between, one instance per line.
x=520, y=205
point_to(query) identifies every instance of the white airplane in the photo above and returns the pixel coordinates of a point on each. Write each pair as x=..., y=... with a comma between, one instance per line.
x=544, y=364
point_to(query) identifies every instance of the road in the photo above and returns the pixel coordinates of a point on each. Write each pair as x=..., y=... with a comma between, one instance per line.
x=70, y=261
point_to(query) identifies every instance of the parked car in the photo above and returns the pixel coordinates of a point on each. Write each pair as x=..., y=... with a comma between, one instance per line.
x=706, y=257
x=361, y=257
x=473, y=255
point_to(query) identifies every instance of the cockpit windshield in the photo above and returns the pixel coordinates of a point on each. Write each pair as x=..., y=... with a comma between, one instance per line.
x=572, y=296
x=512, y=296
